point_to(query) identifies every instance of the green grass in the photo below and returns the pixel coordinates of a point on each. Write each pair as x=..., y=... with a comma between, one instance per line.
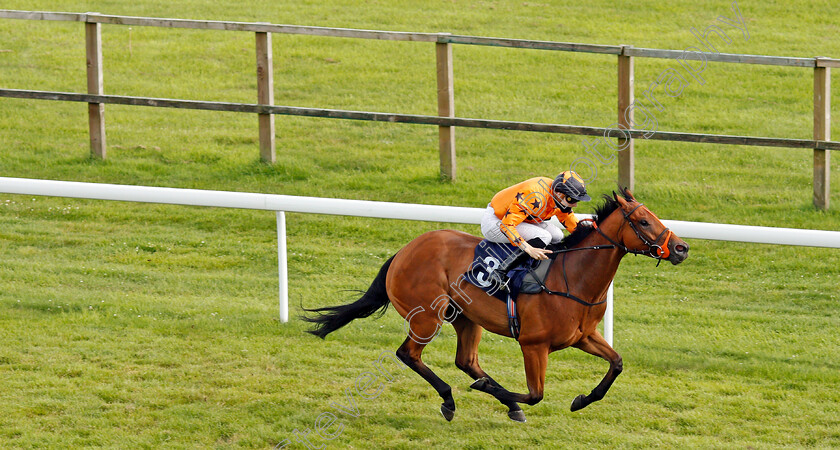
x=128, y=325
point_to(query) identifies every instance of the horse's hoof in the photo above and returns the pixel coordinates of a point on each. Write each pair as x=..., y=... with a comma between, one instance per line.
x=578, y=402
x=480, y=384
x=448, y=414
x=517, y=416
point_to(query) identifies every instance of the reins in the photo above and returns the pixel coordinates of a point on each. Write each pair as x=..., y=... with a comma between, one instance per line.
x=566, y=294
x=565, y=278
x=656, y=251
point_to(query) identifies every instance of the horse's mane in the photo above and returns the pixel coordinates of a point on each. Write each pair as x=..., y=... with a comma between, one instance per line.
x=601, y=212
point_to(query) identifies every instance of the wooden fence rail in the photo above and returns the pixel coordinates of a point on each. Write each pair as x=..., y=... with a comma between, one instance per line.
x=445, y=120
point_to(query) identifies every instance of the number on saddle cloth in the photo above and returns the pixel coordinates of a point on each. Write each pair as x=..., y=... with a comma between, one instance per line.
x=489, y=256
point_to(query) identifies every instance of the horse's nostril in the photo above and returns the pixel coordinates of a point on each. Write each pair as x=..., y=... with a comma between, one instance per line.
x=681, y=248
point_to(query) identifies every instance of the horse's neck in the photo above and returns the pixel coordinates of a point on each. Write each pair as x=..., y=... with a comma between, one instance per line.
x=589, y=272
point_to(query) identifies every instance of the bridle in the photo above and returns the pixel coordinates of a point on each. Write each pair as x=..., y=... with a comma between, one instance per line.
x=655, y=250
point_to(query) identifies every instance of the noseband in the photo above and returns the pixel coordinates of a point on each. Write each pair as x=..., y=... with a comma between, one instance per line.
x=656, y=251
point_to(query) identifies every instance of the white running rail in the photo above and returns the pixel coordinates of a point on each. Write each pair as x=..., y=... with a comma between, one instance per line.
x=383, y=210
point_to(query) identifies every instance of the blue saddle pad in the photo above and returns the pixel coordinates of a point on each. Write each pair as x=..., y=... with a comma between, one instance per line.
x=488, y=256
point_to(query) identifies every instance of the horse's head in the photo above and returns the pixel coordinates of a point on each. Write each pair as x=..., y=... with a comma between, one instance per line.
x=645, y=234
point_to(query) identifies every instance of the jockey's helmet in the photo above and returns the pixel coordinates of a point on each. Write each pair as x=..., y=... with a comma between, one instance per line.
x=571, y=185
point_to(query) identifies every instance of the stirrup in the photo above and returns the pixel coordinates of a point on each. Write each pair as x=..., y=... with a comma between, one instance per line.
x=500, y=280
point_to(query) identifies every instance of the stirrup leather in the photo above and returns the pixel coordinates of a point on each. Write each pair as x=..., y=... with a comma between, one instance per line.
x=513, y=318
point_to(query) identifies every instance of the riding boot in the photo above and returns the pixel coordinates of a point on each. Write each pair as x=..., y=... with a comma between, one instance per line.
x=517, y=257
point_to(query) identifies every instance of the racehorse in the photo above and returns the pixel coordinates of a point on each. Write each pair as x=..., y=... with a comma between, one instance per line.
x=424, y=282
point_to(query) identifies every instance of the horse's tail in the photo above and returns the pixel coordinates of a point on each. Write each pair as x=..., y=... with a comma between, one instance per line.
x=331, y=318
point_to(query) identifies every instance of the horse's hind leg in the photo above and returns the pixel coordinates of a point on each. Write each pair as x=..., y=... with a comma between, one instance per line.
x=409, y=353
x=595, y=344
x=466, y=359
x=536, y=359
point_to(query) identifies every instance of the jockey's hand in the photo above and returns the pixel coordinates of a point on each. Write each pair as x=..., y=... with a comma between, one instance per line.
x=534, y=252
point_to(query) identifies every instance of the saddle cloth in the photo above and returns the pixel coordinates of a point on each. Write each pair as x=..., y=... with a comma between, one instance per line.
x=488, y=256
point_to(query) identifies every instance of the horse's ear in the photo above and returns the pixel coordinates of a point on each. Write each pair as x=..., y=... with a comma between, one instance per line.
x=624, y=194
x=620, y=199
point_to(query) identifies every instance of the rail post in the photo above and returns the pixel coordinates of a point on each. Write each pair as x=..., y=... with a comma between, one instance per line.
x=95, y=81
x=265, y=95
x=608, y=314
x=446, y=108
x=282, y=267
x=626, y=154
x=822, y=132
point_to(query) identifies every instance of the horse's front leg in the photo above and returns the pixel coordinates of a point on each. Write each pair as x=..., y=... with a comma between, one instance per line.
x=595, y=344
x=536, y=360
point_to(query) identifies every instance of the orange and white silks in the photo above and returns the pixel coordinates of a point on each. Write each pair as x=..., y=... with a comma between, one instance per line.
x=530, y=201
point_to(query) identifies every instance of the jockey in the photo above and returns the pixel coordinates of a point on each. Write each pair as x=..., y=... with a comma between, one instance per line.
x=519, y=214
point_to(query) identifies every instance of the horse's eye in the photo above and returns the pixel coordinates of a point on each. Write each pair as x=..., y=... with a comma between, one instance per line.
x=643, y=223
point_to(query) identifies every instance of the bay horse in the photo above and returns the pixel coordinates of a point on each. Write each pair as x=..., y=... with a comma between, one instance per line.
x=424, y=282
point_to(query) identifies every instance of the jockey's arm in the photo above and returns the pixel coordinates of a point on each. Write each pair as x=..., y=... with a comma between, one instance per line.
x=569, y=221
x=514, y=217
x=534, y=252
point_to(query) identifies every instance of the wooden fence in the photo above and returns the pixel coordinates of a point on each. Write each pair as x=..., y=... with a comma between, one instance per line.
x=445, y=120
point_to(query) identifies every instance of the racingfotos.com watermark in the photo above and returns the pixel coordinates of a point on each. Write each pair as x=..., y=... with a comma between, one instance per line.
x=671, y=82
x=693, y=61
x=367, y=386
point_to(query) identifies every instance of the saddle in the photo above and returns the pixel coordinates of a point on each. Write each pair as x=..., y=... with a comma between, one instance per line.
x=534, y=279
x=528, y=278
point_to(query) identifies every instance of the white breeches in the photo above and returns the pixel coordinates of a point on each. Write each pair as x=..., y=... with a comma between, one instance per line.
x=547, y=232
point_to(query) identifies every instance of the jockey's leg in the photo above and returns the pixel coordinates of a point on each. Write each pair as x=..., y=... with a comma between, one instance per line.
x=491, y=227
x=556, y=233
x=535, y=234
x=518, y=257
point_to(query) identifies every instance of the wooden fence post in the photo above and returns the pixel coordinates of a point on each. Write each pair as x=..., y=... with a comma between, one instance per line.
x=265, y=95
x=627, y=156
x=96, y=111
x=446, y=108
x=822, y=132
